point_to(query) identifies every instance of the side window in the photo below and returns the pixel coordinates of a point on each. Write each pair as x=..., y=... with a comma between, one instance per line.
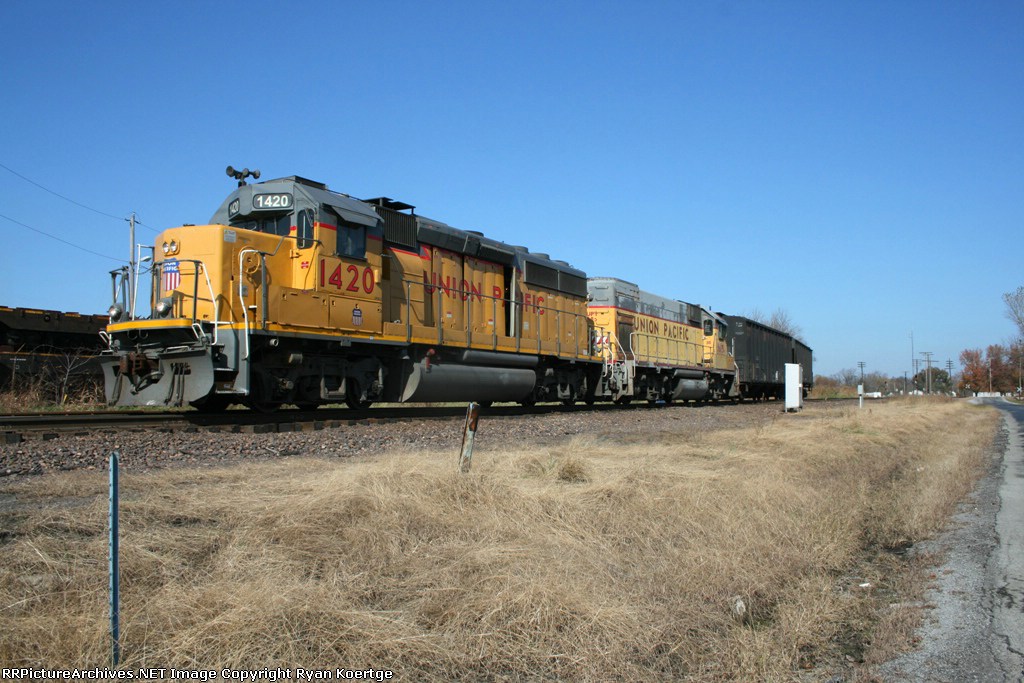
x=709, y=327
x=351, y=240
x=304, y=229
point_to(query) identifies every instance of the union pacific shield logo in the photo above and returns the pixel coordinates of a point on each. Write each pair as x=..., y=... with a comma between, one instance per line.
x=171, y=275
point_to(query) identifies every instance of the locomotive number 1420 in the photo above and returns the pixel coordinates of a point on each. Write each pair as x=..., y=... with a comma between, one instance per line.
x=350, y=278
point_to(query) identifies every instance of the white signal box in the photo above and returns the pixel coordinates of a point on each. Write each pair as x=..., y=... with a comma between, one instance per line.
x=794, y=387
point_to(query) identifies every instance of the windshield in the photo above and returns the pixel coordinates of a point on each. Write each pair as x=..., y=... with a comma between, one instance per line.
x=279, y=224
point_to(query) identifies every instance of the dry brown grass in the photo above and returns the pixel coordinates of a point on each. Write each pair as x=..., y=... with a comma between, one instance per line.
x=576, y=562
x=44, y=394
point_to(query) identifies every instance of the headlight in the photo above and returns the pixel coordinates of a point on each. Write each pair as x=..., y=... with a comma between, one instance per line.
x=174, y=247
x=164, y=306
x=115, y=312
x=167, y=248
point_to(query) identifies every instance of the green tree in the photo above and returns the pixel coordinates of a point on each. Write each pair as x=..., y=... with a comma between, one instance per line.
x=940, y=381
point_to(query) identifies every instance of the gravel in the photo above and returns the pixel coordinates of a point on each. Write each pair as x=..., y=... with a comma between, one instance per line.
x=147, y=449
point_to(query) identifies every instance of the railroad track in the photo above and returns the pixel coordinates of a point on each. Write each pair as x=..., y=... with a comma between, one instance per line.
x=15, y=428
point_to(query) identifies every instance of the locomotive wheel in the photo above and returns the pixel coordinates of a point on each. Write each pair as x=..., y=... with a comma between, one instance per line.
x=259, y=395
x=624, y=400
x=352, y=394
x=307, y=405
x=568, y=402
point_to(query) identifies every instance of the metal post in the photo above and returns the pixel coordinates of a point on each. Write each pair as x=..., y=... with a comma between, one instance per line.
x=112, y=553
x=131, y=268
x=468, y=436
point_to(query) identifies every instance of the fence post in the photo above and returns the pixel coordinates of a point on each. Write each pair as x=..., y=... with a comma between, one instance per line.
x=112, y=553
x=468, y=435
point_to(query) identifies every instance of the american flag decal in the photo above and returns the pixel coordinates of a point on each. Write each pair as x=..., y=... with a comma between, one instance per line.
x=171, y=275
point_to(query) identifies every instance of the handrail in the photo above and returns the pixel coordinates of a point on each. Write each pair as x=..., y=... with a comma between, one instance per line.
x=656, y=355
x=241, y=295
x=200, y=266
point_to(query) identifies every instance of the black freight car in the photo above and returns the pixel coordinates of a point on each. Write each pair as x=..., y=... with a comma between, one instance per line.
x=33, y=340
x=762, y=353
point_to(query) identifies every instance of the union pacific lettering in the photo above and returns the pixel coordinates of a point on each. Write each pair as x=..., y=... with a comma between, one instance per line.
x=454, y=288
x=662, y=328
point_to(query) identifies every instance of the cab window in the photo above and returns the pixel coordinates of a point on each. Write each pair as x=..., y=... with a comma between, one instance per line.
x=304, y=229
x=351, y=240
x=272, y=225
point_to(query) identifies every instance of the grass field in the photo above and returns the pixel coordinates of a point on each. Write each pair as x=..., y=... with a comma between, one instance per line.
x=764, y=554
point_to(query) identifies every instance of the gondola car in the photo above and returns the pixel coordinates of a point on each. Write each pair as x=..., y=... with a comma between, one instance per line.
x=762, y=353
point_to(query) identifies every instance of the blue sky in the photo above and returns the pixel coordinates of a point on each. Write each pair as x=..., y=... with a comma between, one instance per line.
x=859, y=164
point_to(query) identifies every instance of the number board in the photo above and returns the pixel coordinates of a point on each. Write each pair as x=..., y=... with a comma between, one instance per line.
x=271, y=202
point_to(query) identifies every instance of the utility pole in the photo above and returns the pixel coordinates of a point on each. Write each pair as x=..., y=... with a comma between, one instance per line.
x=913, y=356
x=131, y=268
x=949, y=372
x=990, y=375
x=928, y=371
x=861, y=365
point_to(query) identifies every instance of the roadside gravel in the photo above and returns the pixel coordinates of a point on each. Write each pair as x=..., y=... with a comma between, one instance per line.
x=146, y=449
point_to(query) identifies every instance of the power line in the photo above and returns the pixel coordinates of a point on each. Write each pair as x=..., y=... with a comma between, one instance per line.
x=68, y=199
x=70, y=244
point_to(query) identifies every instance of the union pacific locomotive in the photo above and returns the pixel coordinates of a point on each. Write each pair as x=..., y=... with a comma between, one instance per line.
x=297, y=294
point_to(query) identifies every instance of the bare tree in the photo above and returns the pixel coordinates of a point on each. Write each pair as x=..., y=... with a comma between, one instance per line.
x=1015, y=309
x=779, y=319
x=65, y=373
x=847, y=377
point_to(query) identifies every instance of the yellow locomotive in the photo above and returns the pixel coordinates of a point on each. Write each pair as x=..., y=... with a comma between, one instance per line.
x=656, y=348
x=297, y=294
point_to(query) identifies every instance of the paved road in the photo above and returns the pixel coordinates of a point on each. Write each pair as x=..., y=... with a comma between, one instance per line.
x=976, y=631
